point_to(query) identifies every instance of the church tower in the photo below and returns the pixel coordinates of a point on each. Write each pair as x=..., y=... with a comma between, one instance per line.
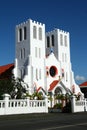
x=30, y=54
x=58, y=42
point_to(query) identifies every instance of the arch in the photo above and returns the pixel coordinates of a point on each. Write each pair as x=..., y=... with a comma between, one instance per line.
x=58, y=91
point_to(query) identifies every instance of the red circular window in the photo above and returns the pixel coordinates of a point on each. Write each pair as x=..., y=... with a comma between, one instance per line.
x=53, y=71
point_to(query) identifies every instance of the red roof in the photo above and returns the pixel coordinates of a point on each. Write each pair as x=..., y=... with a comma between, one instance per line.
x=53, y=84
x=83, y=84
x=5, y=68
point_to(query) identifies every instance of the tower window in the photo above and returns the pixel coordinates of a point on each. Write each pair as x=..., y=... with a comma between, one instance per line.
x=35, y=51
x=52, y=38
x=21, y=54
x=25, y=33
x=61, y=39
x=40, y=74
x=66, y=76
x=48, y=41
x=65, y=57
x=62, y=57
x=20, y=34
x=34, y=32
x=65, y=40
x=37, y=74
x=39, y=53
x=40, y=33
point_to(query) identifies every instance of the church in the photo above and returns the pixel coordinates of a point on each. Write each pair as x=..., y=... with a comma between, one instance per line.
x=42, y=59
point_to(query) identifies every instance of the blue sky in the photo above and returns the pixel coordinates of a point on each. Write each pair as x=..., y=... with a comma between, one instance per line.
x=68, y=15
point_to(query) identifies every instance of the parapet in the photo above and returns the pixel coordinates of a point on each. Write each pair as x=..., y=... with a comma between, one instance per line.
x=62, y=31
x=57, y=30
x=28, y=21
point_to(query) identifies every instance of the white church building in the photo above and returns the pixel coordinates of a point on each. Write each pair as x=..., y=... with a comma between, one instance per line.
x=42, y=59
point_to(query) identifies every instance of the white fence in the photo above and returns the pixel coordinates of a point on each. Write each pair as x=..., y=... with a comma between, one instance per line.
x=78, y=105
x=22, y=106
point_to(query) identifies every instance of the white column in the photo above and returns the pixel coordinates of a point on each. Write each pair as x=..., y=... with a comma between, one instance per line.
x=73, y=104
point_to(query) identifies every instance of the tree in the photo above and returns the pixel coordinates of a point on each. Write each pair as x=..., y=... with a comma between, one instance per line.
x=6, y=86
x=20, y=90
x=13, y=87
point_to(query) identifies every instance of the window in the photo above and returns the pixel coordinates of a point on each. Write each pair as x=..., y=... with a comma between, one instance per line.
x=37, y=74
x=23, y=52
x=62, y=57
x=25, y=33
x=35, y=51
x=20, y=34
x=53, y=71
x=65, y=57
x=65, y=40
x=66, y=76
x=21, y=73
x=24, y=72
x=52, y=38
x=40, y=33
x=48, y=41
x=34, y=32
x=62, y=72
x=40, y=74
x=58, y=91
x=39, y=53
x=61, y=39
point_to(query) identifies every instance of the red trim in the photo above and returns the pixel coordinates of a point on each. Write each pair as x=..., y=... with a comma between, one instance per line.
x=39, y=89
x=53, y=84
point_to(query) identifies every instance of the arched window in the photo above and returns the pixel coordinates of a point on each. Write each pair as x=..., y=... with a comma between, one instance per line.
x=48, y=41
x=21, y=73
x=21, y=54
x=37, y=74
x=40, y=33
x=66, y=76
x=25, y=33
x=35, y=51
x=65, y=40
x=58, y=91
x=62, y=57
x=52, y=40
x=34, y=32
x=39, y=52
x=65, y=57
x=20, y=34
x=61, y=39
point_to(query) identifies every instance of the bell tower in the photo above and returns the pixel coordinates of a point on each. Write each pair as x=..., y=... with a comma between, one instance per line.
x=30, y=53
x=58, y=42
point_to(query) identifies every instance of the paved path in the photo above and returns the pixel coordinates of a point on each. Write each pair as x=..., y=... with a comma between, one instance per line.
x=50, y=121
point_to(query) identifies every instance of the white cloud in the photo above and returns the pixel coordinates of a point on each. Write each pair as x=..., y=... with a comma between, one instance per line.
x=80, y=78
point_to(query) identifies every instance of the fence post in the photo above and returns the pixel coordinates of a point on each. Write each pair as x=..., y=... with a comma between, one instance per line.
x=28, y=99
x=84, y=105
x=73, y=104
x=46, y=101
x=6, y=99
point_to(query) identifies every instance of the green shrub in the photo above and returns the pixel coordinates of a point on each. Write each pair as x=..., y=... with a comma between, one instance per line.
x=58, y=106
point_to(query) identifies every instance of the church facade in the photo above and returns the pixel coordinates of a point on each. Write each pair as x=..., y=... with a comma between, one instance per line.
x=42, y=59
